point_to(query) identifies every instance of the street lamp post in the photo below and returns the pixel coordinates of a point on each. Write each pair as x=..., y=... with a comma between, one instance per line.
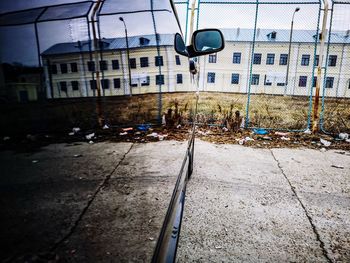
x=127, y=52
x=289, y=48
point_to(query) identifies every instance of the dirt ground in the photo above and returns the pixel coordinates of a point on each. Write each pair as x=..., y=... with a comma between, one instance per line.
x=106, y=201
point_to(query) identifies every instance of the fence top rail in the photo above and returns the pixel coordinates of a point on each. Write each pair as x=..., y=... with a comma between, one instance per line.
x=46, y=14
x=262, y=2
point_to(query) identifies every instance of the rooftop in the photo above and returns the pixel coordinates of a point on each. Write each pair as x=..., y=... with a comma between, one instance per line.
x=231, y=35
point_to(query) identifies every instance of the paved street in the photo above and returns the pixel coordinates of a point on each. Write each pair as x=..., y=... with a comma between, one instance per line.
x=106, y=202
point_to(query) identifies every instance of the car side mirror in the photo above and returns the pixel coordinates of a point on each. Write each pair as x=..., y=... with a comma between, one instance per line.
x=204, y=41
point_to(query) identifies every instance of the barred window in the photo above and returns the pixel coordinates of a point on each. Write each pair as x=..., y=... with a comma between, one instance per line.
x=159, y=79
x=332, y=60
x=116, y=83
x=75, y=85
x=255, y=79
x=91, y=66
x=132, y=63
x=305, y=60
x=329, y=82
x=236, y=58
x=177, y=59
x=144, y=62
x=158, y=60
x=115, y=64
x=283, y=59
x=103, y=65
x=212, y=58
x=302, y=81
x=74, y=67
x=211, y=77
x=64, y=68
x=257, y=58
x=179, y=78
x=235, y=78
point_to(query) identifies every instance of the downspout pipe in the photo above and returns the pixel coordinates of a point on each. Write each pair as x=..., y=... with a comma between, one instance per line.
x=315, y=116
x=100, y=118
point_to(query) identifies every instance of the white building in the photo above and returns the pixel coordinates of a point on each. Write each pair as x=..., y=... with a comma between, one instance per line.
x=72, y=74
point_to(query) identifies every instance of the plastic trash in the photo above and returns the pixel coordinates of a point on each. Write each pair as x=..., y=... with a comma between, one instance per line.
x=260, y=131
x=178, y=126
x=123, y=133
x=343, y=136
x=76, y=129
x=285, y=138
x=6, y=138
x=35, y=161
x=143, y=127
x=105, y=127
x=71, y=133
x=325, y=142
x=225, y=129
x=127, y=129
x=248, y=139
x=307, y=131
x=153, y=134
x=281, y=133
x=91, y=142
x=90, y=136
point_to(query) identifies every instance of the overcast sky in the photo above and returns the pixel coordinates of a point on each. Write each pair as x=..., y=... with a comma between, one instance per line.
x=18, y=43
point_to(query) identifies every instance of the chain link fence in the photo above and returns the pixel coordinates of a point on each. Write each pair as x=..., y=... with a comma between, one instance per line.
x=335, y=115
x=119, y=64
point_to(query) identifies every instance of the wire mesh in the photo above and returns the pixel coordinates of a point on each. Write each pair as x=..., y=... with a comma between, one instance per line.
x=335, y=115
x=254, y=64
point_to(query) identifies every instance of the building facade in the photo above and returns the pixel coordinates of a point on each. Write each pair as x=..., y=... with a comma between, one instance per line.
x=71, y=68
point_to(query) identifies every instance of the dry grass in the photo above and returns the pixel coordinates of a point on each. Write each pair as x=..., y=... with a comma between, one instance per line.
x=276, y=112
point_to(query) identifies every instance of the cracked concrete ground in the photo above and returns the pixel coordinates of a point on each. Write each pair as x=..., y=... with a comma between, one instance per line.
x=106, y=202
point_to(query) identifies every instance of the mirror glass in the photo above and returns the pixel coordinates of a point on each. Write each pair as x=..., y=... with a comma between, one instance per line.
x=207, y=40
x=180, y=46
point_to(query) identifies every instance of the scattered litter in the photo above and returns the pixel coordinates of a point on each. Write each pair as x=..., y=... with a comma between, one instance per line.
x=218, y=247
x=161, y=137
x=143, y=127
x=90, y=136
x=267, y=138
x=77, y=155
x=163, y=120
x=325, y=142
x=6, y=138
x=137, y=133
x=260, y=131
x=285, y=138
x=337, y=166
x=203, y=133
x=241, y=141
x=343, y=136
x=248, y=139
x=71, y=133
x=76, y=129
x=151, y=238
x=127, y=129
x=105, y=127
x=281, y=133
x=153, y=134
x=225, y=129
x=347, y=140
x=91, y=142
x=307, y=131
x=123, y=133
x=80, y=178
x=35, y=161
x=323, y=150
x=178, y=126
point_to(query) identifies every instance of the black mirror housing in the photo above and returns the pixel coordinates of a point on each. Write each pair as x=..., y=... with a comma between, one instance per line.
x=204, y=41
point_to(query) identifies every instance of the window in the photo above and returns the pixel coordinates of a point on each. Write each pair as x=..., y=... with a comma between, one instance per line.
x=158, y=60
x=317, y=60
x=270, y=59
x=91, y=65
x=329, y=82
x=144, y=62
x=283, y=59
x=103, y=65
x=115, y=64
x=179, y=78
x=132, y=63
x=63, y=86
x=211, y=77
x=212, y=58
x=177, y=59
x=64, y=68
x=257, y=58
x=53, y=69
x=302, y=81
x=159, y=79
x=146, y=83
x=236, y=58
x=255, y=79
x=75, y=85
x=332, y=60
x=93, y=84
x=74, y=67
x=314, y=81
x=305, y=60
x=235, y=78
x=267, y=82
x=116, y=83
x=105, y=83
